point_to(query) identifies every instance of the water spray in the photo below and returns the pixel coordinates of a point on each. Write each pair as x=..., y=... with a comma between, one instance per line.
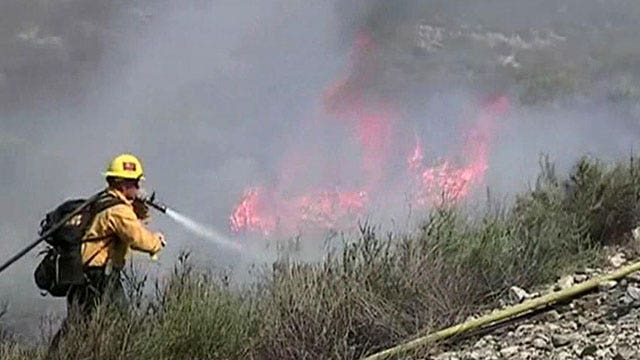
x=191, y=225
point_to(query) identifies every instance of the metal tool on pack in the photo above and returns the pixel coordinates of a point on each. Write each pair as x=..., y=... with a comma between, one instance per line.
x=53, y=229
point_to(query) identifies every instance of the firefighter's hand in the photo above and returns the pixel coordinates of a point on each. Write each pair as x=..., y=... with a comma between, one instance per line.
x=163, y=243
x=162, y=239
x=140, y=209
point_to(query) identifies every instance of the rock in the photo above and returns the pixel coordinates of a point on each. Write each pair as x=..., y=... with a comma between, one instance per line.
x=611, y=339
x=483, y=354
x=552, y=315
x=594, y=328
x=602, y=354
x=552, y=327
x=607, y=285
x=626, y=300
x=582, y=321
x=563, y=355
x=449, y=355
x=617, y=260
x=561, y=340
x=598, y=325
x=480, y=343
x=541, y=343
x=474, y=355
x=579, y=278
x=633, y=292
x=588, y=350
x=519, y=294
x=590, y=271
x=571, y=325
x=509, y=351
x=524, y=355
x=627, y=352
x=565, y=282
x=524, y=328
x=490, y=338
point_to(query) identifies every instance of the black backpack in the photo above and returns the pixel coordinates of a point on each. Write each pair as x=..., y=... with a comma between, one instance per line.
x=62, y=267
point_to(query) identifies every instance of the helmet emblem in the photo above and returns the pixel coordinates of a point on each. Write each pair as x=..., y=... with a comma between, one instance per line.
x=128, y=166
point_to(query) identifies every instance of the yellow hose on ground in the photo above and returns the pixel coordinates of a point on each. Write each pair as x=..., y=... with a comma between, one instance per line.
x=507, y=313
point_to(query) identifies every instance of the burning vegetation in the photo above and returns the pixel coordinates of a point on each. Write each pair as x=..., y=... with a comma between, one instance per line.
x=372, y=121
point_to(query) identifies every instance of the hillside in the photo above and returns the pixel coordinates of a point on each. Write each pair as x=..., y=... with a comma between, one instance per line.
x=378, y=291
x=267, y=118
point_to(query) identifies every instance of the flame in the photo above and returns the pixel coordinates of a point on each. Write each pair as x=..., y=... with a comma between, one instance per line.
x=371, y=122
x=249, y=214
x=322, y=210
x=445, y=183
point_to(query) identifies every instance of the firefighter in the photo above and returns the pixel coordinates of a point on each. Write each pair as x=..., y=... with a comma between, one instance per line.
x=112, y=233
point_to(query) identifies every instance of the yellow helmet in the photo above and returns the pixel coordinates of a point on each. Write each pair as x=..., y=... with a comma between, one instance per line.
x=125, y=166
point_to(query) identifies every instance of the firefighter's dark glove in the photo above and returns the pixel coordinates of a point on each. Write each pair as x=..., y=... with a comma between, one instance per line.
x=141, y=209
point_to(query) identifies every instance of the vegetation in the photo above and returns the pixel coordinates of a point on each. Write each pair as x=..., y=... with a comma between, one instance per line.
x=377, y=290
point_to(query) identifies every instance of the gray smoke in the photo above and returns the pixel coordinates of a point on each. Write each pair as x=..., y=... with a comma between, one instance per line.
x=201, y=91
x=213, y=95
x=569, y=67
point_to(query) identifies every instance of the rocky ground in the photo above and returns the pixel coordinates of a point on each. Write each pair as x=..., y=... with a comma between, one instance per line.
x=604, y=324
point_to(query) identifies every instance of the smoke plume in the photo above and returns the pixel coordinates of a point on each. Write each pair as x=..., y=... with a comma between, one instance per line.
x=222, y=97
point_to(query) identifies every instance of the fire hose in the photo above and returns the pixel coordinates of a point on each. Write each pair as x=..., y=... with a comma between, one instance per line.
x=150, y=201
x=503, y=315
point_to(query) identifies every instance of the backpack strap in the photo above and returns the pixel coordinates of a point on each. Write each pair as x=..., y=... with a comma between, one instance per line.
x=103, y=203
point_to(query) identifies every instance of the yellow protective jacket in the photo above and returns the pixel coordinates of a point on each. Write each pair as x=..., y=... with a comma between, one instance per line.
x=113, y=232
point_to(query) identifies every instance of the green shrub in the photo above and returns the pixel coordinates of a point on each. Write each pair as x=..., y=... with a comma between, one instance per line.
x=376, y=290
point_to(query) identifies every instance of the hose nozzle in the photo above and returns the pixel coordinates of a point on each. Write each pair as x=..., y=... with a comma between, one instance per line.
x=151, y=201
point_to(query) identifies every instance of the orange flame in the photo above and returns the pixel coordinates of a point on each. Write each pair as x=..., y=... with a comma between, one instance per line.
x=445, y=183
x=323, y=210
x=268, y=211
